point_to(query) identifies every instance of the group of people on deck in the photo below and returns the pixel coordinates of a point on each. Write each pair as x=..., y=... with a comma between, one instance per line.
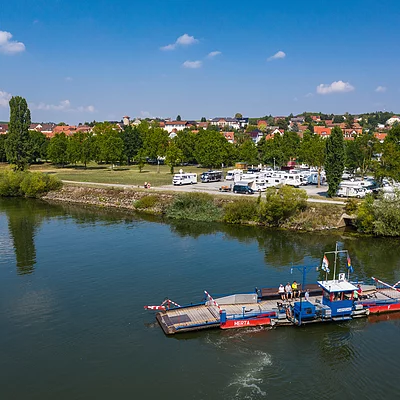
x=291, y=291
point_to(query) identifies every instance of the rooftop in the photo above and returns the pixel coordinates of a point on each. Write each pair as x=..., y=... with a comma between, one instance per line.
x=337, y=286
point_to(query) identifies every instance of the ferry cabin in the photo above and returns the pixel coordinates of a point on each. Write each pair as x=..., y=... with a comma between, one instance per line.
x=338, y=296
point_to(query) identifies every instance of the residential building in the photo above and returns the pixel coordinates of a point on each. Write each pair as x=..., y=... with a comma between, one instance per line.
x=243, y=122
x=3, y=129
x=262, y=124
x=256, y=135
x=226, y=122
x=322, y=131
x=392, y=120
x=380, y=136
x=229, y=136
x=175, y=126
x=126, y=120
x=298, y=120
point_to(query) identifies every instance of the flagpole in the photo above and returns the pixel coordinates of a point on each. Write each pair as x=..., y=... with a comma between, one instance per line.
x=334, y=266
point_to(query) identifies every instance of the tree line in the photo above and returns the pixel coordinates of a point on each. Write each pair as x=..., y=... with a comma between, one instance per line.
x=208, y=147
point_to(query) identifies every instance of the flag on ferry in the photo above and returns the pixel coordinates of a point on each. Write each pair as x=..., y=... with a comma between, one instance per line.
x=325, y=265
x=349, y=266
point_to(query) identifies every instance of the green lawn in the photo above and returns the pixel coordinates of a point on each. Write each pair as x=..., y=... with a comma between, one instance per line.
x=126, y=175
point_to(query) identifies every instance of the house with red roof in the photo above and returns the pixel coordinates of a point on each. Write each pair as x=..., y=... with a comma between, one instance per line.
x=322, y=131
x=229, y=136
x=3, y=129
x=380, y=136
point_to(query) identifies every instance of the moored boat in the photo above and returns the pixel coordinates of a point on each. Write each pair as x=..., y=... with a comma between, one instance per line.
x=328, y=300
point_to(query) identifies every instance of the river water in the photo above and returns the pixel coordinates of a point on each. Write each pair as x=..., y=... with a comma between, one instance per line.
x=73, y=283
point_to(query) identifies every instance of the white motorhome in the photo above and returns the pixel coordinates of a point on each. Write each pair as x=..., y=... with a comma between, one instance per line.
x=184, y=179
x=234, y=174
x=351, y=191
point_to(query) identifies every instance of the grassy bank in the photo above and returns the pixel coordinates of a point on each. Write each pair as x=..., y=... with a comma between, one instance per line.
x=126, y=175
x=205, y=207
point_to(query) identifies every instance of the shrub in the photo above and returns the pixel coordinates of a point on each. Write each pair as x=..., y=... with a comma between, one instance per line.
x=10, y=183
x=351, y=206
x=146, y=202
x=194, y=206
x=365, y=215
x=27, y=183
x=387, y=216
x=281, y=203
x=240, y=211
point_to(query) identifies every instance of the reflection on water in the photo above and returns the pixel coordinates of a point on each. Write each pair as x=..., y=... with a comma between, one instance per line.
x=79, y=320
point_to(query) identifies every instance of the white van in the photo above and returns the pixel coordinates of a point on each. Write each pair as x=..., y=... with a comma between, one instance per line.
x=234, y=175
x=350, y=191
x=184, y=179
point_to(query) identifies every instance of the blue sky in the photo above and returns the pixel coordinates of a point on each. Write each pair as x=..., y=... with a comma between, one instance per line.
x=77, y=60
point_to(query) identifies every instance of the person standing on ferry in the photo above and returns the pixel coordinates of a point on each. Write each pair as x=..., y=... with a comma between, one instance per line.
x=281, y=291
x=288, y=291
x=295, y=290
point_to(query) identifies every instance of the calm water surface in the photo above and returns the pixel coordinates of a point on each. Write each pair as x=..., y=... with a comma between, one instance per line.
x=73, y=283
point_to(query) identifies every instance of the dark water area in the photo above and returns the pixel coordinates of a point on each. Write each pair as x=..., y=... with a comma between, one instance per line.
x=73, y=283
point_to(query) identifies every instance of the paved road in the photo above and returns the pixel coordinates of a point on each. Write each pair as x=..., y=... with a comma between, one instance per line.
x=213, y=188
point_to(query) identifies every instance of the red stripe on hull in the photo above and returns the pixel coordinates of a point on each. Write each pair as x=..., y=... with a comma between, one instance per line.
x=245, y=323
x=385, y=308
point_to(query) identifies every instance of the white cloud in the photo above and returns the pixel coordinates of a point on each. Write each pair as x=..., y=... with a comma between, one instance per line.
x=334, y=87
x=213, y=54
x=381, y=89
x=68, y=79
x=280, y=54
x=64, y=105
x=8, y=46
x=309, y=95
x=90, y=109
x=184, y=40
x=146, y=114
x=4, y=99
x=192, y=64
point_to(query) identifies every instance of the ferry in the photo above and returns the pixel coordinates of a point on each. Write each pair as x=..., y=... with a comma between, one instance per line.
x=329, y=300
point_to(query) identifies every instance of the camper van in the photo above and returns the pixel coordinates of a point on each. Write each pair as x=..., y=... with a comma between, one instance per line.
x=234, y=173
x=351, y=191
x=211, y=176
x=184, y=179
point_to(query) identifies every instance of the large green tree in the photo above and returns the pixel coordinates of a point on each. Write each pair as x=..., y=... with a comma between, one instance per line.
x=272, y=152
x=57, y=150
x=359, y=152
x=3, y=156
x=390, y=159
x=17, y=143
x=155, y=142
x=38, y=146
x=185, y=141
x=212, y=149
x=334, y=160
x=248, y=152
x=173, y=155
x=133, y=141
x=312, y=152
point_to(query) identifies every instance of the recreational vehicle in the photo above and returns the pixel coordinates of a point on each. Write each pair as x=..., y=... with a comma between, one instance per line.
x=184, y=179
x=211, y=176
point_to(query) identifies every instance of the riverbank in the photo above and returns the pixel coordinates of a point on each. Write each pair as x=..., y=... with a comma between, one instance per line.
x=313, y=217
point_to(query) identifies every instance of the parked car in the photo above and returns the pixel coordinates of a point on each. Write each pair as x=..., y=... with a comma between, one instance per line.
x=243, y=189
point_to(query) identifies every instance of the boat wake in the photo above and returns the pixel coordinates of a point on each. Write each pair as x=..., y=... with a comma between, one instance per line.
x=249, y=381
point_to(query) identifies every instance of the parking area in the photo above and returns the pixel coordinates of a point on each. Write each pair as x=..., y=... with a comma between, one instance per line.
x=213, y=187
